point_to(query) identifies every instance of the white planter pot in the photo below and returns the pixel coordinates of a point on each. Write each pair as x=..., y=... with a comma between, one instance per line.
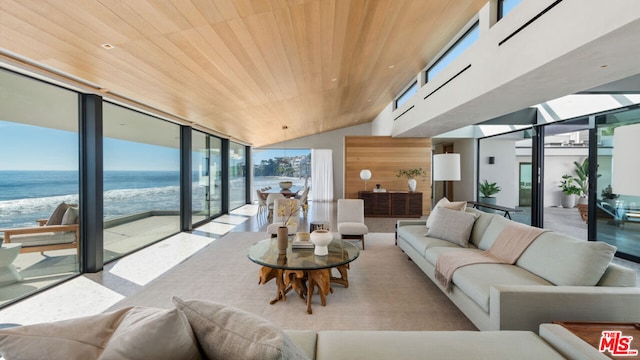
x=568, y=201
x=412, y=185
x=321, y=238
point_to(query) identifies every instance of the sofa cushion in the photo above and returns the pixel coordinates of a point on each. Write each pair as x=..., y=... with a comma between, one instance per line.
x=564, y=260
x=451, y=225
x=131, y=333
x=480, y=226
x=489, y=345
x=225, y=332
x=306, y=339
x=47, y=238
x=476, y=280
x=432, y=254
x=415, y=236
x=494, y=228
x=445, y=203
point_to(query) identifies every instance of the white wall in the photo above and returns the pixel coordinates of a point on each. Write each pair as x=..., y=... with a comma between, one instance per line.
x=333, y=140
x=504, y=171
x=558, y=162
x=574, y=46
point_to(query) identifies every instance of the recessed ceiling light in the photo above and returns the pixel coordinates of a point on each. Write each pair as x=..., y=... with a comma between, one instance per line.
x=107, y=46
x=391, y=66
x=334, y=79
x=369, y=100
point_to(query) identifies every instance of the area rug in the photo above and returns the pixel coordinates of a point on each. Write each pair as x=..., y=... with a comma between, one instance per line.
x=386, y=291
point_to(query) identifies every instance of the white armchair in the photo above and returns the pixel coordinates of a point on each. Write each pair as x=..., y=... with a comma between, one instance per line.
x=351, y=219
x=282, y=208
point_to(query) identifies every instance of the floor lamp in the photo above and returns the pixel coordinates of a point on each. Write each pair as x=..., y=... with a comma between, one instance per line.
x=446, y=167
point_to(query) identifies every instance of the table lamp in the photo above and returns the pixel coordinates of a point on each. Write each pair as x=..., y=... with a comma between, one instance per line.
x=365, y=175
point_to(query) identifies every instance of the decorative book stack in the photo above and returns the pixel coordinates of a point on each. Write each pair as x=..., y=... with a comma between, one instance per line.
x=302, y=241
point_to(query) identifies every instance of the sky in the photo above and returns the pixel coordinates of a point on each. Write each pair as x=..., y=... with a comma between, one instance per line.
x=259, y=155
x=26, y=147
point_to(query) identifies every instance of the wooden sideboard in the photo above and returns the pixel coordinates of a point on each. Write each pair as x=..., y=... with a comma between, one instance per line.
x=391, y=203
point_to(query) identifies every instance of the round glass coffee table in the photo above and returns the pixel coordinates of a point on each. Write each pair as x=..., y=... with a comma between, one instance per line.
x=302, y=270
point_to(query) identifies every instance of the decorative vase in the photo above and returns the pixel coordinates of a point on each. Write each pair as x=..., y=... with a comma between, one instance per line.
x=412, y=185
x=321, y=238
x=283, y=240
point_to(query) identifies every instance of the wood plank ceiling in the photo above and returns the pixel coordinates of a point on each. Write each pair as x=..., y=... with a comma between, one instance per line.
x=243, y=68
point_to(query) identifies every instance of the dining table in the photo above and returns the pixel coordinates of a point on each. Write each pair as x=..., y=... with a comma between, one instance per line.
x=290, y=192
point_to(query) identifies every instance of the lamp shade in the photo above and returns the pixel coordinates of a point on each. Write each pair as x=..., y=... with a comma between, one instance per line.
x=446, y=167
x=365, y=174
x=626, y=172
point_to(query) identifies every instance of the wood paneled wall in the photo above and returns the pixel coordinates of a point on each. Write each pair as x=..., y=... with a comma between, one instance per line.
x=384, y=156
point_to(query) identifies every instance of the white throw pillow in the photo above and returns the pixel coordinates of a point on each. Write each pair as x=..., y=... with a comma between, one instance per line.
x=445, y=203
x=451, y=225
x=225, y=332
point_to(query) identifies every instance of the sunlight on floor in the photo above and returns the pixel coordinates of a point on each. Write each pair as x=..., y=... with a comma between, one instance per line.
x=74, y=298
x=147, y=264
x=215, y=228
x=231, y=219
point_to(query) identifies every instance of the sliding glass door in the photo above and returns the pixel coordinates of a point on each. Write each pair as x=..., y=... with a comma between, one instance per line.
x=566, y=150
x=506, y=161
x=618, y=187
x=141, y=180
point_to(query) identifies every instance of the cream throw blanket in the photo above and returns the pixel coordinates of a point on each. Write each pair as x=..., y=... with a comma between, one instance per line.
x=512, y=241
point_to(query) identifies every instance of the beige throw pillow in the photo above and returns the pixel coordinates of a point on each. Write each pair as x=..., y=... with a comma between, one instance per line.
x=149, y=333
x=57, y=214
x=225, y=332
x=445, y=203
x=451, y=225
x=128, y=333
x=81, y=338
x=70, y=216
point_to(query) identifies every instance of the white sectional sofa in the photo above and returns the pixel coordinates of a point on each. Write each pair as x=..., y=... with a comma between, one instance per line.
x=557, y=278
x=197, y=329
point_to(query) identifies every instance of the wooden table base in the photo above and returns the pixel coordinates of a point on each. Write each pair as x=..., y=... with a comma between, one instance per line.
x=303, y=282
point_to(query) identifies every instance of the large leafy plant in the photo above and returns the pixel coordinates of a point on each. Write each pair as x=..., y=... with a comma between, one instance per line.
x=487, y=189
x=569, y=186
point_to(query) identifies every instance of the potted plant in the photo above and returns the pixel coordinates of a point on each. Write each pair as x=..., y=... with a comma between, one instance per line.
x=609, y=197
x=411, y=174
x=582, y=181
x=570, y=189
x=487, y=190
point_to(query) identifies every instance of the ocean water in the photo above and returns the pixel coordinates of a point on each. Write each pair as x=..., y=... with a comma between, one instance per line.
x=26, y=196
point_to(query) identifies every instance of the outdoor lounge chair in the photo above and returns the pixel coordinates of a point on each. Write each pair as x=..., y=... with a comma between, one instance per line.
x=60, y=231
